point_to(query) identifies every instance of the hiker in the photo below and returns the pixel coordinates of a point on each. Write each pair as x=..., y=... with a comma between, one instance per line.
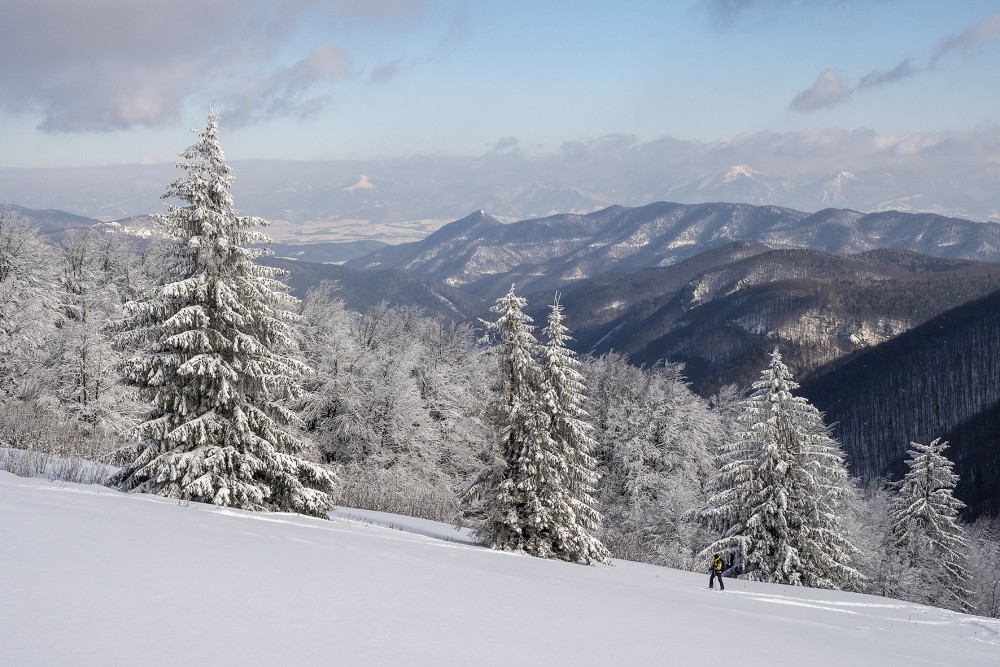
x=716, y=570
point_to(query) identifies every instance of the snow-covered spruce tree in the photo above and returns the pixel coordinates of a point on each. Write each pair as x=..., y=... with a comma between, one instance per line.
x=927, y=532
x=513, y=497
x=634, y=480
x=576, y=521
x=209, y=359
x=776, y=496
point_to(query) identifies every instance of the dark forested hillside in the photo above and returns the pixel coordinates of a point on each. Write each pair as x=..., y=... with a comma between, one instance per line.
x=978, y=455
x=594, y=307
x=721, y=312
x=941, y=379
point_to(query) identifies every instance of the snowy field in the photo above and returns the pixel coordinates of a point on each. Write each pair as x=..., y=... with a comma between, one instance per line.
x=89, y=576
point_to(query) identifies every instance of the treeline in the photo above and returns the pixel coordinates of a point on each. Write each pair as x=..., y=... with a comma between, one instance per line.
x=398, y=403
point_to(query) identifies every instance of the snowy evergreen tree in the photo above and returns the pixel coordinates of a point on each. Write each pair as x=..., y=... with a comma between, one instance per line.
x=779, y=489
x=210, y=360
x=870, y=523
x=517, y=491
x=453, y=380
x=927, y=531
x=325, y=342
x=634, y=480
x=576, y=522
x=381, y=422
x=60, y=389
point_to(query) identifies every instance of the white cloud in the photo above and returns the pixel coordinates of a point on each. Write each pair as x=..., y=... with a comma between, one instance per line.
x=386, y=71
x=828, y=90
x=970, y=39
x=880, y=78
x=285, y=91
x=114, y=64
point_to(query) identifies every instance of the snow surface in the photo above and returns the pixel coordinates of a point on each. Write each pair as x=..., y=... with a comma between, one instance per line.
x=90, y=576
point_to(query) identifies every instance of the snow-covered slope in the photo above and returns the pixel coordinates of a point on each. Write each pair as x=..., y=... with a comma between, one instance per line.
x=89, y=576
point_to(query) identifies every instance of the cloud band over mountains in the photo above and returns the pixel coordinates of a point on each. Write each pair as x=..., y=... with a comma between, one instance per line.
x=952, y=173
x=831, y=89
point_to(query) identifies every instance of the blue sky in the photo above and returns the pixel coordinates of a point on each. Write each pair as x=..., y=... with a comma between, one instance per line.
x=115, y=81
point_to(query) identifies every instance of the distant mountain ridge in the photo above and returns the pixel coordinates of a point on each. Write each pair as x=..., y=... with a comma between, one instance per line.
x=48, y=221
x=392, y=200
x=484, y=256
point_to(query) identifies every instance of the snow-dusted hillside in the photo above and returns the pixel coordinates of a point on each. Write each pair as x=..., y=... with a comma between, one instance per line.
x=89, y=576
x=481, y=255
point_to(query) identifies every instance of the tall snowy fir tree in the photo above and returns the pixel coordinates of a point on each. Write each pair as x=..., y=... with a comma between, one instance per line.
x=518, y=493
x=569, y=493
x=776, y=496
x=208, y=357
x=927, y=532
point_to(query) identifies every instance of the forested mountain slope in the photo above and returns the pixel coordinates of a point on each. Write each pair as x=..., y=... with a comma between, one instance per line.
x=720, y=312
x=941, y=379
x=979, y=438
